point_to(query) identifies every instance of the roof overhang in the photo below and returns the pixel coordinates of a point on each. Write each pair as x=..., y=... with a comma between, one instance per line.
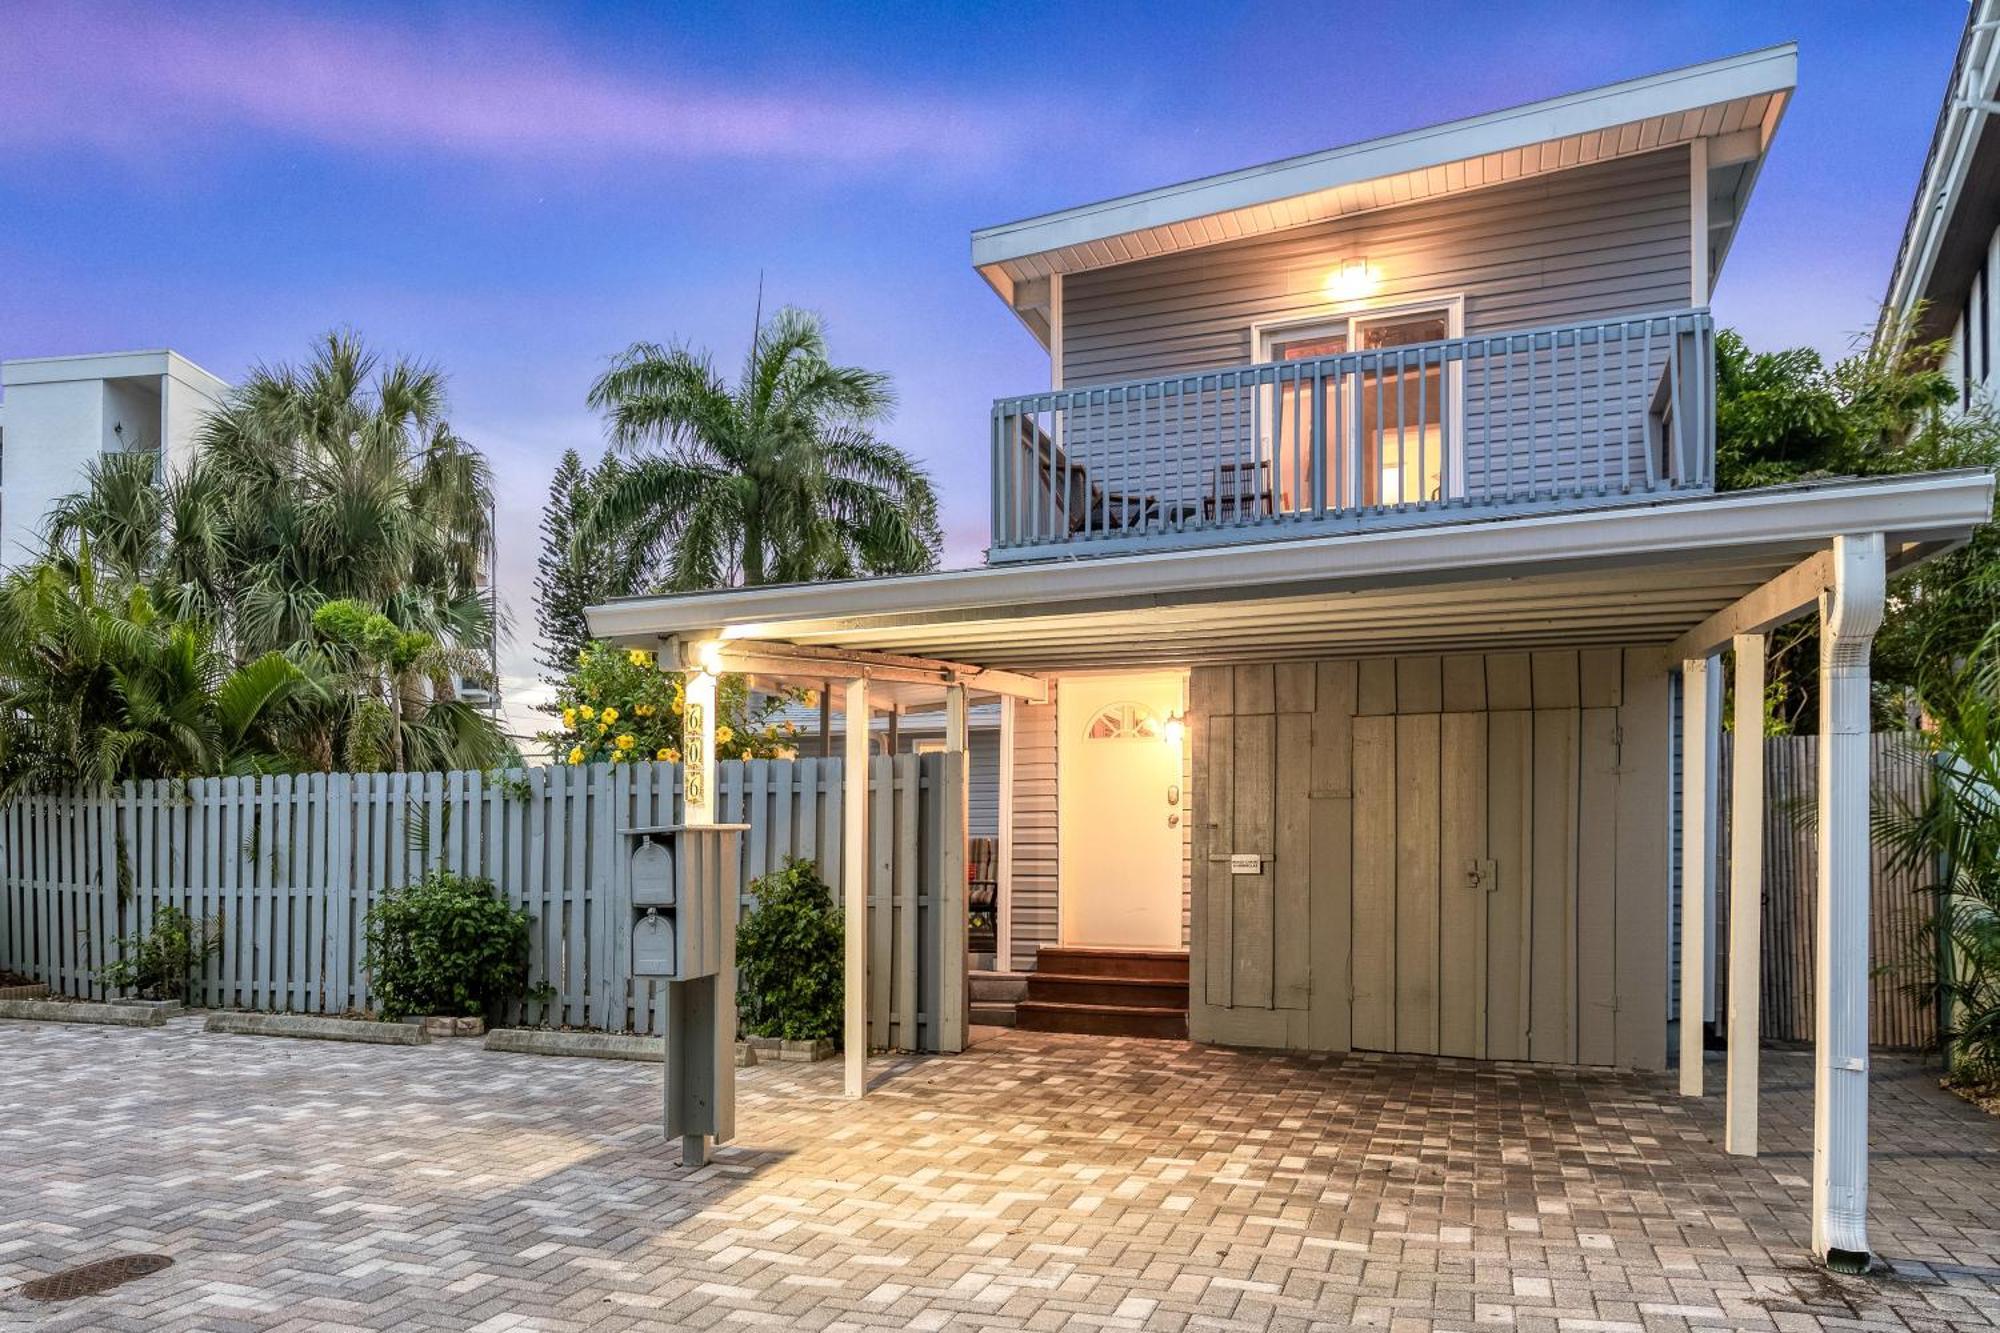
x=1735, y=104
x=1630, y=576
x=1957, y=204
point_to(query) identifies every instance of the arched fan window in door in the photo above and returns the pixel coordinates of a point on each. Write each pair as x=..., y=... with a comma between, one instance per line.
x=1122, y=722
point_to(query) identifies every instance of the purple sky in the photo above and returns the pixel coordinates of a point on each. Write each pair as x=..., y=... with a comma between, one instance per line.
x=517, y=193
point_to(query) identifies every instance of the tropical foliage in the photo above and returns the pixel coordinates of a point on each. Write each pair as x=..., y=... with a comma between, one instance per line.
x=779, y=478
x=618, y=707
x=578, y=566
x=165, y=962
x=1788, y=416
x=336, y=484
x=789, y=956
x=1952, y=840
x=98, y=684
x=448, y=944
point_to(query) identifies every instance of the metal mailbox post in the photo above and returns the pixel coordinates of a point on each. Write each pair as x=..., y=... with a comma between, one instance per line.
x=684, y=894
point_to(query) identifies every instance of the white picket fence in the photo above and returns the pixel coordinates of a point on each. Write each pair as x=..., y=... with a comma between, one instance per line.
x=289, y=866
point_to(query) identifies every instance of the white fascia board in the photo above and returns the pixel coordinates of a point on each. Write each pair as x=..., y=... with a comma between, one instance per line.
x=1942, y=180
x=1771, y=70
x=1932, y=506
x=108, y=366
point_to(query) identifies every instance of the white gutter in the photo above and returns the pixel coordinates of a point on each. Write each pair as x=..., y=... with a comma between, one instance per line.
x=1939, y=505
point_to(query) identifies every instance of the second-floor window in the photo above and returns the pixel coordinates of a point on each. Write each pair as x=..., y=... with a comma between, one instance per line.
x=1387, y=422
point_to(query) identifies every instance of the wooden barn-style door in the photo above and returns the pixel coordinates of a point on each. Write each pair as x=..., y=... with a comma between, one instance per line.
x=1424, y=855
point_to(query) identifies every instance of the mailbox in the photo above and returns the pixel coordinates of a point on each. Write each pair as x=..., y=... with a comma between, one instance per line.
x=653, y=953
x=683, y=879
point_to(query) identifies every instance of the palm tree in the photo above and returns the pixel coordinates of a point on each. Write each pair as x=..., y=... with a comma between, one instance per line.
x=337, y=480
x=98, y=685
x=778, y=479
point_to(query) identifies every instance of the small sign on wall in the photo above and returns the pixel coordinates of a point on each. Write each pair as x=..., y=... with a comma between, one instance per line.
x=1245, y=863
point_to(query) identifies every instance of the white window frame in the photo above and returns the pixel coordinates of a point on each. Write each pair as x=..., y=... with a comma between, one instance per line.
x=1345, y=317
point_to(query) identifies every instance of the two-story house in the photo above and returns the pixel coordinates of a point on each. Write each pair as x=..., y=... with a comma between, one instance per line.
x=1340, y=581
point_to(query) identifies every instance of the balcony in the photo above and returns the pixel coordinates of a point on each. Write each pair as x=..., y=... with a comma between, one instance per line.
x=1611, y=412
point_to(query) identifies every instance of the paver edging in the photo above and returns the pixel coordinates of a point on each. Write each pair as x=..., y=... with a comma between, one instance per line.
x=33, y=990
x=316, y=1027
x=82, y=1011
x=592, y=1045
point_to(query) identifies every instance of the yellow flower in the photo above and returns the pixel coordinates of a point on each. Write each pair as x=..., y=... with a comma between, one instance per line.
x=723, y=735
x=610, y=715
x=677, y=708
x=626, y=742
x=639, y=657
x=569, y=717
x=617, y=756
x=812, y=699
x=576, y=754
x=673, y=755
x=644, y=710
x=588, y=712
x=664, y=754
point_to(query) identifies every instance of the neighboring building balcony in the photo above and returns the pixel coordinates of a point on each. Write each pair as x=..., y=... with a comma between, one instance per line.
x=1364, y=423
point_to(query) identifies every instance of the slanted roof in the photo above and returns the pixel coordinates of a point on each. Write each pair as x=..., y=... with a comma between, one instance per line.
x=1627, y=576
x=1957, y=204
x=1735, y=103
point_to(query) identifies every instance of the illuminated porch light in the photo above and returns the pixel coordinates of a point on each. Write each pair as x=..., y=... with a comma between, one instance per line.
x=1354, y=279
x=1174, y=730
x=709, y=658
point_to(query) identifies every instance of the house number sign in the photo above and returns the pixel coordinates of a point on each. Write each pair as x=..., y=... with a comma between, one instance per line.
x=695, y=748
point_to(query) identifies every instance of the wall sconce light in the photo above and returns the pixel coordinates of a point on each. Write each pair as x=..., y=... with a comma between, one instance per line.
x=1354, y=279
x=709, y=658
x=1175, y=729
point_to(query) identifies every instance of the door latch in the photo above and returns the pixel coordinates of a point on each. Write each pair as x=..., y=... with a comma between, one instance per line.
x=1482, y=873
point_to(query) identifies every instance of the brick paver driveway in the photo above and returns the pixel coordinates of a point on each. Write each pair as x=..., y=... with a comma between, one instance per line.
x=1039, y=1182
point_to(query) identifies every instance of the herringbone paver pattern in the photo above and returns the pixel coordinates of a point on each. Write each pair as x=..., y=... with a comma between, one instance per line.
x=1036, y=1183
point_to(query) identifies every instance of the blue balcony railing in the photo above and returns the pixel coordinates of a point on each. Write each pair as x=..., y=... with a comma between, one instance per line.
x=1582, y=415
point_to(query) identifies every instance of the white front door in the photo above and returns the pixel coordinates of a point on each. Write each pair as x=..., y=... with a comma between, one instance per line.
x=1121, y=809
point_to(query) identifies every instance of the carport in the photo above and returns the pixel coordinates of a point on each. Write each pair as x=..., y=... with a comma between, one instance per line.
x=1666, y=588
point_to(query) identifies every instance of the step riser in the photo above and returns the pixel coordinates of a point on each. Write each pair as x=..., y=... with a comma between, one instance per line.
x=1106, y=963
x=1108, y=990
x=1167, y=1027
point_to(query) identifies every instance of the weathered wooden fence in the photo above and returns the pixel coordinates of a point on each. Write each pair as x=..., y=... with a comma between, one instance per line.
x=289, y=866
x=1900, y=949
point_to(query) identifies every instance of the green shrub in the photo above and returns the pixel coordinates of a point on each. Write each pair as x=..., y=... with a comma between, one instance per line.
x=789, y=954
x=446, y=945
x=163, y=964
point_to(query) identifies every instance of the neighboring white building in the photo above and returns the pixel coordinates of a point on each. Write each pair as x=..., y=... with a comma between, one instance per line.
x=1950, y=254
x=58, y=413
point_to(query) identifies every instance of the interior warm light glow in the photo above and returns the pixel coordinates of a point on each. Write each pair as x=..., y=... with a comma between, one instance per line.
x=1354, y=279
x=1174, y=730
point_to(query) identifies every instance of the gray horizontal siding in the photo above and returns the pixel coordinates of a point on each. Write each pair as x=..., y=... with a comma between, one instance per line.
x=1034, y=842
x=983, y=780
x=1598, y=241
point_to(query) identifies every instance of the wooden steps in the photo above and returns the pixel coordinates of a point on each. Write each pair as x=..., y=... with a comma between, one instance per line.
x=1107, y=992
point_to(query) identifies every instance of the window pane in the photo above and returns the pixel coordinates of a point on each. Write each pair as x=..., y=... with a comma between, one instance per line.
x=1302, y=349
x=1401, y=330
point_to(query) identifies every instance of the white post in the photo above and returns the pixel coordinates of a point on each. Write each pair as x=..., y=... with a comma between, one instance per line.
x=1701, y=719
x=1746, y=897
x=854, y=880
x=698, y=739
x=1003, y=864
x=1850, y=613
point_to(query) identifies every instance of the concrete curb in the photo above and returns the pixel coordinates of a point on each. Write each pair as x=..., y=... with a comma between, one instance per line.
x=82, y=1011
x=314, y=1027
x=596, y=1045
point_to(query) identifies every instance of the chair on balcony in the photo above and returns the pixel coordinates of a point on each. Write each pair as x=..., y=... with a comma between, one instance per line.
x=982, y=894
x=1081, y=504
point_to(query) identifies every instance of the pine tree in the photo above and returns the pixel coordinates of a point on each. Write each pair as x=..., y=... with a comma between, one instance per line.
x=564, y=585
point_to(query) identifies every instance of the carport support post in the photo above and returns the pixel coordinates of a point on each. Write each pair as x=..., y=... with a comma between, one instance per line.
x=1746, y=896
x=854, y=881
x=1850, y=612
x=1701, y=723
